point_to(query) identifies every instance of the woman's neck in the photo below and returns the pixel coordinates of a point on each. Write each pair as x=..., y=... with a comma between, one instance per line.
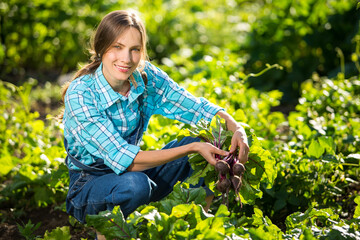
x=124, y=88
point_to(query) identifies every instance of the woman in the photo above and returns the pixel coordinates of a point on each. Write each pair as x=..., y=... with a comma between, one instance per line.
x=107, y=108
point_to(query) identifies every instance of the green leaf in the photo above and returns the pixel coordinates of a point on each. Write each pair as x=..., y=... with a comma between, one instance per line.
x=297, y=219
x=210, y=228
x=200, y=171
x=59, y=233
x=28, y=229
x=315, y=149
x=111, y=224
x=41, y=195
x=182, y=193
x=249, y=194
x=7, y=163
x=357, y=209
x=181, y=210
x=263, y=162
x=258, y=217
x=327, y=143
x=222, y=211
x=259, y=169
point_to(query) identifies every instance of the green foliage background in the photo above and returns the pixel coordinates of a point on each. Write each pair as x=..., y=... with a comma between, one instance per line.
x=212, y=48
x=42, y=37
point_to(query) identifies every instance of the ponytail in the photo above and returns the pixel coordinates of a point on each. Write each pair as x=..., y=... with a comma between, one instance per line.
x=88, y=69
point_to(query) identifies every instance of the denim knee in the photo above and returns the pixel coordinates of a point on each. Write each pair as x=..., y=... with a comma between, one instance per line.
x=88, y=195
x=135, y=190
x=75, y=205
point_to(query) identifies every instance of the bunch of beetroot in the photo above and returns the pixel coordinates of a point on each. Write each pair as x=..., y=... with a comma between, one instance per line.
x=229, y=176
x=230, y=173
x=229, y=169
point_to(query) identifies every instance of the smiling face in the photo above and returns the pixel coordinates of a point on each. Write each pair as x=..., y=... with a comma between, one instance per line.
x=122, y=58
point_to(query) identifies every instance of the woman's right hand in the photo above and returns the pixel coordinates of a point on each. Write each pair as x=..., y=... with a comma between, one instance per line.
x=149, y=159
x=208, y=151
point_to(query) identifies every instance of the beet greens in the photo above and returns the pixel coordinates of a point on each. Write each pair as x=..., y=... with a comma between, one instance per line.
x=230, y=179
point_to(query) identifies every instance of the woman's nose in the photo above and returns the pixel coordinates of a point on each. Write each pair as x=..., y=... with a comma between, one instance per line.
x=125, y=56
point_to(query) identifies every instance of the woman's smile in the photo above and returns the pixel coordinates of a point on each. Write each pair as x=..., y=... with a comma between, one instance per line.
x=122, y=58
x=123, y=68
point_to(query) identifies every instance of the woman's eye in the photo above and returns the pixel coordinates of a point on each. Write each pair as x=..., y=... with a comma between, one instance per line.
x=136, y=49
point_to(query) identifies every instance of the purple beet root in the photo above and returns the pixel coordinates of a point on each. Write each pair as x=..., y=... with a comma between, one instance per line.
x=236, y=184
x=222, y=167
x=238, y=169
x=223, y=185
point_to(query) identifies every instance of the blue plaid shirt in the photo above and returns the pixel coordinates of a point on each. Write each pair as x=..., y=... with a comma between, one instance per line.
x=97, y=119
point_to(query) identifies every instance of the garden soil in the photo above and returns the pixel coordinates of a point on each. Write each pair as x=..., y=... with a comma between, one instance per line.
x=50, y=219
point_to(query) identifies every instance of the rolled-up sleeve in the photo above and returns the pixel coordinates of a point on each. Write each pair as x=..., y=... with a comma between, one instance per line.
x=173, y=101
x=95, y=132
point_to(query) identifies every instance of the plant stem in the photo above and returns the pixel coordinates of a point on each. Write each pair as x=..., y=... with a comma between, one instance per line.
x=268, y=67
x=126, y=235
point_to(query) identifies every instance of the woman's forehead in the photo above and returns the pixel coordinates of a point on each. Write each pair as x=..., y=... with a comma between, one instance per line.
x=130, y=36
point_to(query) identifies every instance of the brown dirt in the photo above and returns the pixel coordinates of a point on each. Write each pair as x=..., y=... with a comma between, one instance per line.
x=50, y=219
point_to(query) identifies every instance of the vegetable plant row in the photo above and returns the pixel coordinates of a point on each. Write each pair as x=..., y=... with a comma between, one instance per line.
x=301, y=179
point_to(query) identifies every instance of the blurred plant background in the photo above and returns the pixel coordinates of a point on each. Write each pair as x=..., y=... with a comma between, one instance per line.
x=43, y=39
x=287, y=68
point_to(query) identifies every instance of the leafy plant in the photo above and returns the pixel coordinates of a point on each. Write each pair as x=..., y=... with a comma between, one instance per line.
x=357, y=209
x=301, y=37
x=31, y=153
x=27, y=231
x=260, y=167
x=324, y=223
x=59, y=233
x=312, y=191
x=180, y=217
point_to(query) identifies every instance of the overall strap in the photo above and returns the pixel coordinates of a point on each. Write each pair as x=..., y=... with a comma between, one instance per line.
x=79, y=164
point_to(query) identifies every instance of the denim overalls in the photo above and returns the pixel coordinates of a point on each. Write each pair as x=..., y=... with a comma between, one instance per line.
x=97, y=188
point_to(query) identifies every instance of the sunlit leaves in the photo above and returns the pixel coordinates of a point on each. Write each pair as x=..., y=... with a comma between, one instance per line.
x=357, y=209
x=259, y=169
x=323, y=131
x=324, y=224
x=112, y=224
x=58, y=233
x=185, y=220
x=315, y=149
x=30, y=152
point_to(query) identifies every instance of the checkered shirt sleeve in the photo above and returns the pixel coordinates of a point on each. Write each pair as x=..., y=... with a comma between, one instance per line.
x=173, y=101
x=95, y=132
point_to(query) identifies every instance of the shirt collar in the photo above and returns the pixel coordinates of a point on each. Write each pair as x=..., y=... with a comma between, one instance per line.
x=107, y=94
x=136, y=92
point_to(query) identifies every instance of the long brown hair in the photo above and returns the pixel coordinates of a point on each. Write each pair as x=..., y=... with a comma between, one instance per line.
x=110, y=28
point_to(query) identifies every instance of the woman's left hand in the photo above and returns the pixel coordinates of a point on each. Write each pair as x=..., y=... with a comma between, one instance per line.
x=239, y=140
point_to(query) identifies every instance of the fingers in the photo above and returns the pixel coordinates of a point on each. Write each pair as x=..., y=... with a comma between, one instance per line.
x=233, y=146
x=211, y=160
x=217, y=151
x=221, y=152
x=243, y=153
x=236, y=141
x=243, y=148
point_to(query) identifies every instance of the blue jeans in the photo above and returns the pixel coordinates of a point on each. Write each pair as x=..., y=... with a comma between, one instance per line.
x=91, y=193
